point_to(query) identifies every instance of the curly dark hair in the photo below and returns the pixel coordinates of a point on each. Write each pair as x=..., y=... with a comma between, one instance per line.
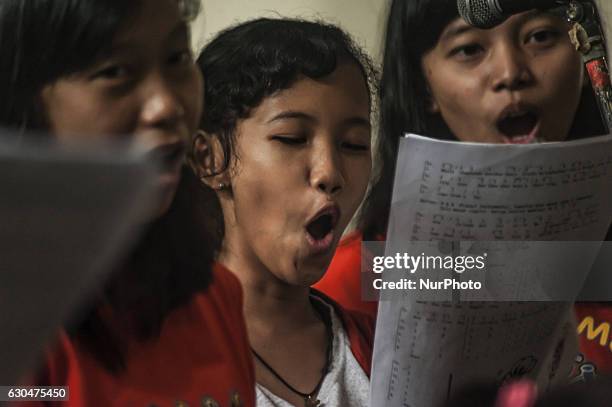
x=246, y=63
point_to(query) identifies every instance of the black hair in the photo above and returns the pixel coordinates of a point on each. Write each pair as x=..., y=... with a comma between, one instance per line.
x=251, y=61
x=246, y=63
x=413, y=28
x=42, y=41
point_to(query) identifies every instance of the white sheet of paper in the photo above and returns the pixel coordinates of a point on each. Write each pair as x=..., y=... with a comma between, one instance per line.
x=424, y=351
x=66, y=217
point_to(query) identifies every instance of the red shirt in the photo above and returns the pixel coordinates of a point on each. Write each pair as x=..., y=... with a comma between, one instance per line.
x=594, y=322
x=202, y=354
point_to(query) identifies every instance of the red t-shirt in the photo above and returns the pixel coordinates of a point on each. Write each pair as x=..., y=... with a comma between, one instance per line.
x=202, y=355
x=595, y=335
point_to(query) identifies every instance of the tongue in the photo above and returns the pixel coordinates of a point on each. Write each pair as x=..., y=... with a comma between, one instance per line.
x=518, y=126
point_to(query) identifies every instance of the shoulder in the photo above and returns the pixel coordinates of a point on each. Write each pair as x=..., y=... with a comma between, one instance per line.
x=224, y=294
x=351, y=240
x=57, y=361
x=225, y=282
x=219, y=307
x=175, y=364
x=64, y=364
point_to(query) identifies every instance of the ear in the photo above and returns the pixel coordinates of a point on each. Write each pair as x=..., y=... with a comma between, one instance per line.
x=432, y=105
x=206, y=160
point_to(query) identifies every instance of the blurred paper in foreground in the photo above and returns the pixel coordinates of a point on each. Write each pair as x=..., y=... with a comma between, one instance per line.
x=66, y=217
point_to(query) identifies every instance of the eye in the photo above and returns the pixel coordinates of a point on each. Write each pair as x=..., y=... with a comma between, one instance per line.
x=181, y=57
x=356, y=147
x=290, y=140
x=467, y=51
x=112, y=72
x=543, y=37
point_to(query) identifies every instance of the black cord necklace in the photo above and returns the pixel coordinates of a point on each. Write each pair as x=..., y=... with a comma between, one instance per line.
x=310, y=399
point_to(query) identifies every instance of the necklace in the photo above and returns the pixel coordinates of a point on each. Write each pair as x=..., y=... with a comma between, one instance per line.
x=310, y=399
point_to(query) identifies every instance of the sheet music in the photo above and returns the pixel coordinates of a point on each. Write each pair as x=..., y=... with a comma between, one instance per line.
x=425, y=350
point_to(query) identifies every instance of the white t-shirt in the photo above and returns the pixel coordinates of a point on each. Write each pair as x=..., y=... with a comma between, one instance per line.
x=346, y=384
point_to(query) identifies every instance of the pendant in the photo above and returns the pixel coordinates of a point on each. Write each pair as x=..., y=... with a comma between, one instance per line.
x=310, y=401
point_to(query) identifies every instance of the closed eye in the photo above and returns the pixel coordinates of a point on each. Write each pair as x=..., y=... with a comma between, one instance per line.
x=356, y=147
x=290, y=140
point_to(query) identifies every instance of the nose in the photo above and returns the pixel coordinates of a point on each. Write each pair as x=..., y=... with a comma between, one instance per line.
x=326, y=172
x=161, y=106
x=511, y=70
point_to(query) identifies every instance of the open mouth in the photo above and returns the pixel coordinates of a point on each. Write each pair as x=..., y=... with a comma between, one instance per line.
x=319, y=231
x=519, y=127
x=320, y=227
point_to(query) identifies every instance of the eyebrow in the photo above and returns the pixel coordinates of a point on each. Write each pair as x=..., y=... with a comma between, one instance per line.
x=459, y=27
x=456, y=28
x=297, y=115
x=291, y=114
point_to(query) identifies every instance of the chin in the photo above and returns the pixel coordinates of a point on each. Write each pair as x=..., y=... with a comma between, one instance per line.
x=312, y=272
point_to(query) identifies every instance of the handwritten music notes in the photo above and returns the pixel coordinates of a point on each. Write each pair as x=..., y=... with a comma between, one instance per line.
x=424, y=350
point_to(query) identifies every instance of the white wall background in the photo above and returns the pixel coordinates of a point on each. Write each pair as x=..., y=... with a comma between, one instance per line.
x=364, y=19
